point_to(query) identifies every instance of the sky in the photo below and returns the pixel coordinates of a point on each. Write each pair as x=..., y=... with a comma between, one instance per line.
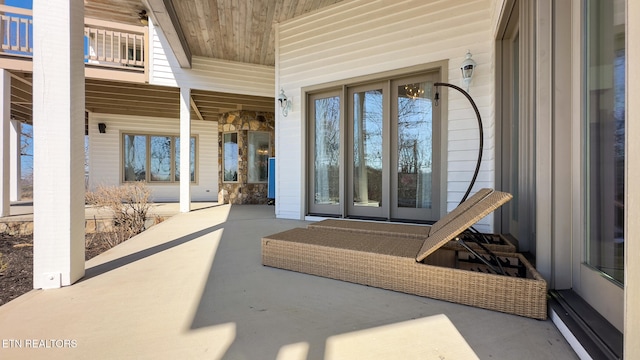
x=25, y=4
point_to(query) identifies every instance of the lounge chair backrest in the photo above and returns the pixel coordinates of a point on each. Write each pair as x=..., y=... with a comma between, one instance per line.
x=460, y=223
x=474, y=199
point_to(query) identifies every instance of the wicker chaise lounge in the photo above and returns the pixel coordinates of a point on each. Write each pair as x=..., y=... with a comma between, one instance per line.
x=416, y=265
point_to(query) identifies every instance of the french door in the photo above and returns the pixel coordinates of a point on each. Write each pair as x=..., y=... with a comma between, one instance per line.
x=367, y=151
x=381, y=159
x=415, y=144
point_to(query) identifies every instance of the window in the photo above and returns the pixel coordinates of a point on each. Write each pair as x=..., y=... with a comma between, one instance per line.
x=135, y=157
x=160, y=158
x=259, y=151
x=230, y=153
x=605, y=137
x=192, y=148
x=154, y=158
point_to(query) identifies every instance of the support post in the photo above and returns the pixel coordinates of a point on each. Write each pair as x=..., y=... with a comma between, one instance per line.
x=15, y=162
x=5, y=106
x=58, y=140
x=185, y=152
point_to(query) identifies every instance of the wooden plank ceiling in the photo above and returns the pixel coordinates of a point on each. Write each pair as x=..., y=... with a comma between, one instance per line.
x=236, y=30
x=121, y=98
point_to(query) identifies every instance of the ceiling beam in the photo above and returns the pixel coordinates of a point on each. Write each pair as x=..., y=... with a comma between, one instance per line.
x=164, y=16
x=195, y=108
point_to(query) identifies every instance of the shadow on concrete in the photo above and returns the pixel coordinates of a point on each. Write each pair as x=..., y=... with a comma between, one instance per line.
x=274, y=309
x=128, y=259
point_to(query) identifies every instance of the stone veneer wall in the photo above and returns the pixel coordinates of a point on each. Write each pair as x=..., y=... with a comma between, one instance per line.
x=241, y=122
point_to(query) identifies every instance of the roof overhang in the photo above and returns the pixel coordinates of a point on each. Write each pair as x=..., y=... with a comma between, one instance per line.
x=164, y=16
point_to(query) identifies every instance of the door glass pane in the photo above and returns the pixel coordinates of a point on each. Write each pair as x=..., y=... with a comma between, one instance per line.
x=258, y=156
x=230, y=150
x=367, y=143
x=135, y=157
x=327, y=151
x=160, y=158
x=415, y=146
x=605, y=129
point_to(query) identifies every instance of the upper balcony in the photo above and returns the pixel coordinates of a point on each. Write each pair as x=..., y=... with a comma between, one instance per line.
x=111, y=50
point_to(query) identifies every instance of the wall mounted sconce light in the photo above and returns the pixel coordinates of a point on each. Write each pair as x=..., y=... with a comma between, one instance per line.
x=285, y=103
x=144, y=18
x=467, y=68
x=102, y=127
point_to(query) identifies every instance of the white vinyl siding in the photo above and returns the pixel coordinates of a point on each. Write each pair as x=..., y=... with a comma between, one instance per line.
x=105, y=153
x=207, y=73
x=361, y=38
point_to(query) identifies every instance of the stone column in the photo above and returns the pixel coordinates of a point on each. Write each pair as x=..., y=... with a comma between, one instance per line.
x=185, y=153
x=58, y=139
x=5, y=106
x=15, y=171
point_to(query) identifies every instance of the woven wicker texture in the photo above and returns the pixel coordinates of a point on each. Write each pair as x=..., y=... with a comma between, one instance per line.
x=374, y=228
x=379, y=244
x=389, y=262
x=395, y=230
x=460, y=209
x=473, y=214
x=520, y=296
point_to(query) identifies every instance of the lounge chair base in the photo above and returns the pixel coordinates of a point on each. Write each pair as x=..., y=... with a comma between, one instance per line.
x=389, y=262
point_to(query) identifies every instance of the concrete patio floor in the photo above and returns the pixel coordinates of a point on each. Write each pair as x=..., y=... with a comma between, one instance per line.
x=193, y=287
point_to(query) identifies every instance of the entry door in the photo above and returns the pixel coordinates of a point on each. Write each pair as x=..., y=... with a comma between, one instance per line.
x=368, y=155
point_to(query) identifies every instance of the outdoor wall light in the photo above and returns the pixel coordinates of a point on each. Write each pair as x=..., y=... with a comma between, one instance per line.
x=102, y=127
x=467, y=68
x=143, y=17
x=285, y=103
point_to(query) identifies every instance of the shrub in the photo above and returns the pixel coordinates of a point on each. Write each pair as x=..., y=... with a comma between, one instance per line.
x=129, y=205
x=3, y=264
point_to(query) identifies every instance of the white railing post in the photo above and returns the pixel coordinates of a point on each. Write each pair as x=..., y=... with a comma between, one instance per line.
x=109, y=43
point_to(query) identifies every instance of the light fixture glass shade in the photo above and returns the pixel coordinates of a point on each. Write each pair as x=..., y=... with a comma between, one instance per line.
x=285, y=103
x=467, y=67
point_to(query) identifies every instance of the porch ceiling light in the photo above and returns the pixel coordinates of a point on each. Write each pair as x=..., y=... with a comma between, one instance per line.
x=285, y=103
x=467, y=68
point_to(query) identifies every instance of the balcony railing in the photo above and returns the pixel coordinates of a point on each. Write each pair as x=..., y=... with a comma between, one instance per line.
x=106, y=44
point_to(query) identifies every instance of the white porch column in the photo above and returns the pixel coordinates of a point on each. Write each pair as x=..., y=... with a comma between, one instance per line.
x=185, y=153
x=58, y=140
x=15, y=162
x=5, y=106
